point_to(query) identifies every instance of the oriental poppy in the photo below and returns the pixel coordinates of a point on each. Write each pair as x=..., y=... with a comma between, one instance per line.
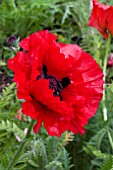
x=61, y=84
x=102, y=18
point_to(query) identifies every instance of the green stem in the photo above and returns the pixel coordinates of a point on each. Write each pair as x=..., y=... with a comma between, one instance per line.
x=18, y=152
x=104, y=71
x=110, y=138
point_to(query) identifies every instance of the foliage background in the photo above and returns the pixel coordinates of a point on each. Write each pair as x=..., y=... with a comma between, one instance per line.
x=68, y=19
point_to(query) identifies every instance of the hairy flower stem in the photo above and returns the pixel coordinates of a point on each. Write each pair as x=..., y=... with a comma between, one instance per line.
x=18, y=153
x=104, y=71
x=110, y=138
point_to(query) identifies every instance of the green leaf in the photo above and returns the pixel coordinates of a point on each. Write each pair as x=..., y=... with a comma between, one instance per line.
x=54, y=165
x=108, y=163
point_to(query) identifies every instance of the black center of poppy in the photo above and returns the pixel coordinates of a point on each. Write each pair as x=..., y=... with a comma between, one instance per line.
x=54, y=83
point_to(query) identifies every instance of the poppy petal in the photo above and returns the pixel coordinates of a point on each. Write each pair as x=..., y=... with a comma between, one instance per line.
x=101, y=18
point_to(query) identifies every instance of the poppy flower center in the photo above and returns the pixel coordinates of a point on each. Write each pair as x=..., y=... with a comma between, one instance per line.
x=54, y=83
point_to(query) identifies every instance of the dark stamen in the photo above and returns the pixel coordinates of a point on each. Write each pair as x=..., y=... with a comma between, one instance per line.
x=54, y=84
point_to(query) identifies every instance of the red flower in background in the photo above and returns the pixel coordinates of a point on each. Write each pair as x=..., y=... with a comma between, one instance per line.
x=102, y=18
x=60, y=83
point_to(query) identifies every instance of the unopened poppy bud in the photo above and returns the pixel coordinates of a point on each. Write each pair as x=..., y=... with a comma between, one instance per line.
x=110, y=60
x=11, y=39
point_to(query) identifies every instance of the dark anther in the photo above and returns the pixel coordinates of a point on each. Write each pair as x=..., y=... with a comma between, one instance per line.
x=54, y=83
x=65, y=82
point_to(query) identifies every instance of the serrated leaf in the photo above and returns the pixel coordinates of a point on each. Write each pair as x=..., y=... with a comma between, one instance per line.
x=108, y=163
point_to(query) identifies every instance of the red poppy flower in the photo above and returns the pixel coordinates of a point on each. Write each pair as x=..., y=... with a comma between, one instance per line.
x=60, y=83
x=101, y=18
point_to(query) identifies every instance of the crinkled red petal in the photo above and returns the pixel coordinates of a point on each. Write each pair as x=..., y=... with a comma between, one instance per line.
x=41, y=92
x=84, y=94
x=81, y=97
x=101, y=18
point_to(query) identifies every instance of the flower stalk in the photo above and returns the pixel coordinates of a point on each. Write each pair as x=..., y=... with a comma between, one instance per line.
x=18, y=153
x=104, y=71
x=110, y=138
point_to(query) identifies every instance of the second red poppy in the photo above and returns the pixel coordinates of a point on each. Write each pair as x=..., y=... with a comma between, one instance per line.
x=101, y=18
